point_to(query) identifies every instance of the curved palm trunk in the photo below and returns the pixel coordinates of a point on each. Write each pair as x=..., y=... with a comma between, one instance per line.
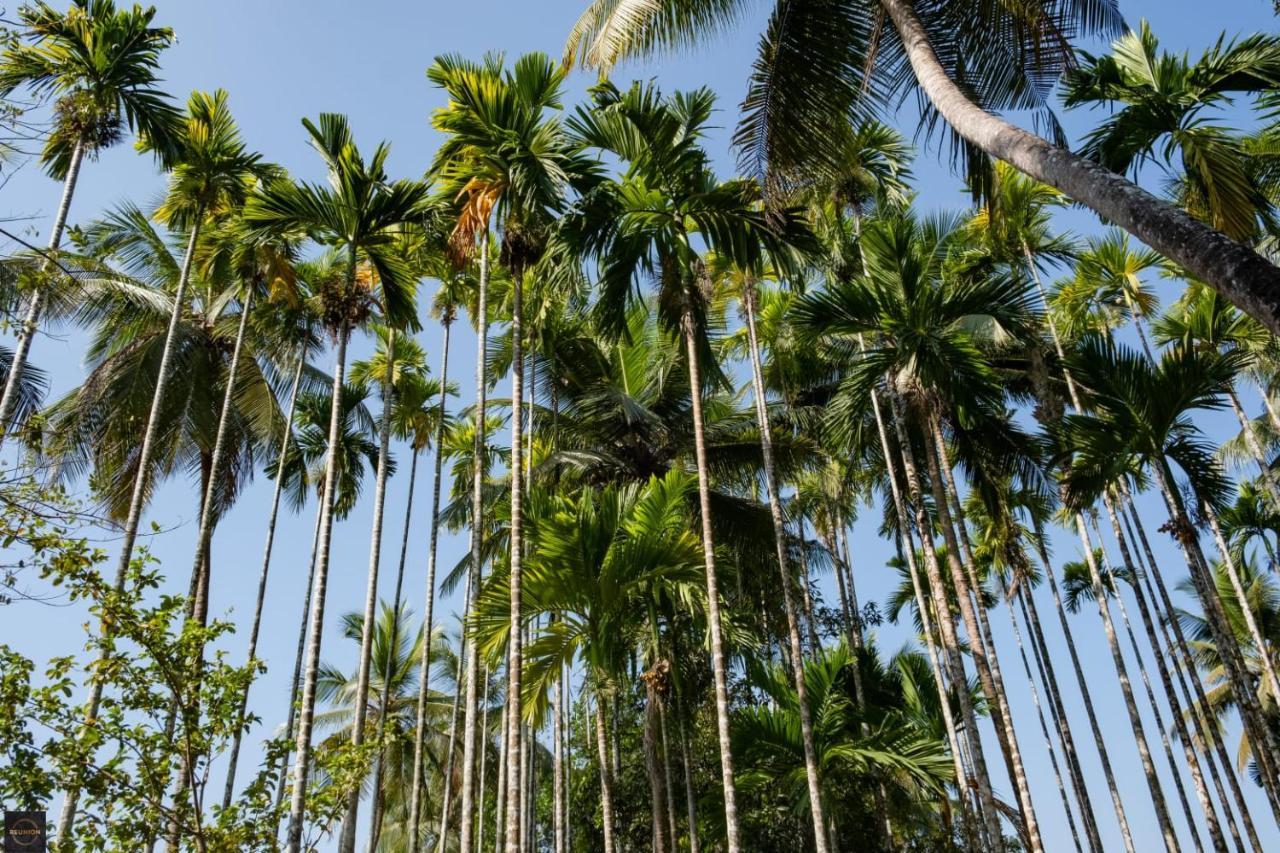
x=1210, y=737
x=311, y=672
x=375, y=827
x=296, y=684
x=1255, y=447
x=467, y=805
x=718, y=665
x=951, y=645
x=1234, y=270
x=424, y=671
x=1085, y=694
x=21, y=350
x=234, y=758
x=780, y=545
x=66, y=819
x=347, y=841
x=983, y=649
x=200, y=578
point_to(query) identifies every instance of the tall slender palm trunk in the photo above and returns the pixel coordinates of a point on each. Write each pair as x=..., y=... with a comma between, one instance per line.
x=466, y=815
x=1255, y=447
x=483, y=758
x=311, y=672
x=1179, y=722
x=965, y=576
x=198, y=606
x=277, y=491
x=30, y=323
x=375, y=826
x=295, y=686
x=515, y=640
x=446, y=799
x=1210, y=738
x=347, y=840
x=719, y=667
x=558, y=766
x=788, y=606
x=428, y=607
x=950, y=642
x=606, y=777
x=66, y=819
x=1234, y=270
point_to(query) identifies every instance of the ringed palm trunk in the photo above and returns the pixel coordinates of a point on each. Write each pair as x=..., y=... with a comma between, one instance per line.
x=780, y=545
x=606, y=777
x=347, y=842
x=200, y=577
x=515, y=804
x=446, y=799
x=424, y=671
x=471, y=659
x=1209, y=737
x=557, y=767
x=653, y=771
x=1237, y=676
x=983, y=649
x=1234, y=270
x=234, y=758
x=718, y=666
x=295, y=686
x=66, y=819
x=22, y=349
x=311, y=672
x=990, y=815
x=375, y=826
x=1255, y=447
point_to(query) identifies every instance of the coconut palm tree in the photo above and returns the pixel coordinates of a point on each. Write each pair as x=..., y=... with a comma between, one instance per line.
x=820, y=63
x=210, y=174
x=102, y=65
x=361, y=212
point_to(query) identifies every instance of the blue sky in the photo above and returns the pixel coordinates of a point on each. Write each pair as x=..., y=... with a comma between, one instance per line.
x=285, y=59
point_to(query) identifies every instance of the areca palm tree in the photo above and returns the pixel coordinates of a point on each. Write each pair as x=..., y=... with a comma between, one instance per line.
x=643, y=227
x=819, y=63
x=504, y=157
x=211, y=173
x=361, y=212
x=101, y=62
x=1142, y=419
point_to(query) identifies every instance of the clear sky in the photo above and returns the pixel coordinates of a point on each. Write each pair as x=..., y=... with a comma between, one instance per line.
x=284, y=59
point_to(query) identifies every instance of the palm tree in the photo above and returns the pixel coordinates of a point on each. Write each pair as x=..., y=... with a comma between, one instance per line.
x=642, y=228
x=361, y=212
x=1142, y=419
x=102, y=65
x=211, y=173
x=933, y=325
x=820, y=63
x=504, y=157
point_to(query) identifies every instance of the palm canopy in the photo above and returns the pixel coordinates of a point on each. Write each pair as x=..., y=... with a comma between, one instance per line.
x=1140, y=415
x=101, y=63
x=652, y=224
x=819, y=63
x=96, y=425
x=360, y=211
x=1163, y=98
x=603, y=561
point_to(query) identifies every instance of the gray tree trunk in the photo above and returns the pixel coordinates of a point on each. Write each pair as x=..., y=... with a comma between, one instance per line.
x=515, y=651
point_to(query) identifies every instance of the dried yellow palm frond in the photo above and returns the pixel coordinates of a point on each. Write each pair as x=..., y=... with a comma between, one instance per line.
x=478, y=198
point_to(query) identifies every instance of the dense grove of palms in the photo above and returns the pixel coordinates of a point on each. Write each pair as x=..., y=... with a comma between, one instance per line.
x=696, y=395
